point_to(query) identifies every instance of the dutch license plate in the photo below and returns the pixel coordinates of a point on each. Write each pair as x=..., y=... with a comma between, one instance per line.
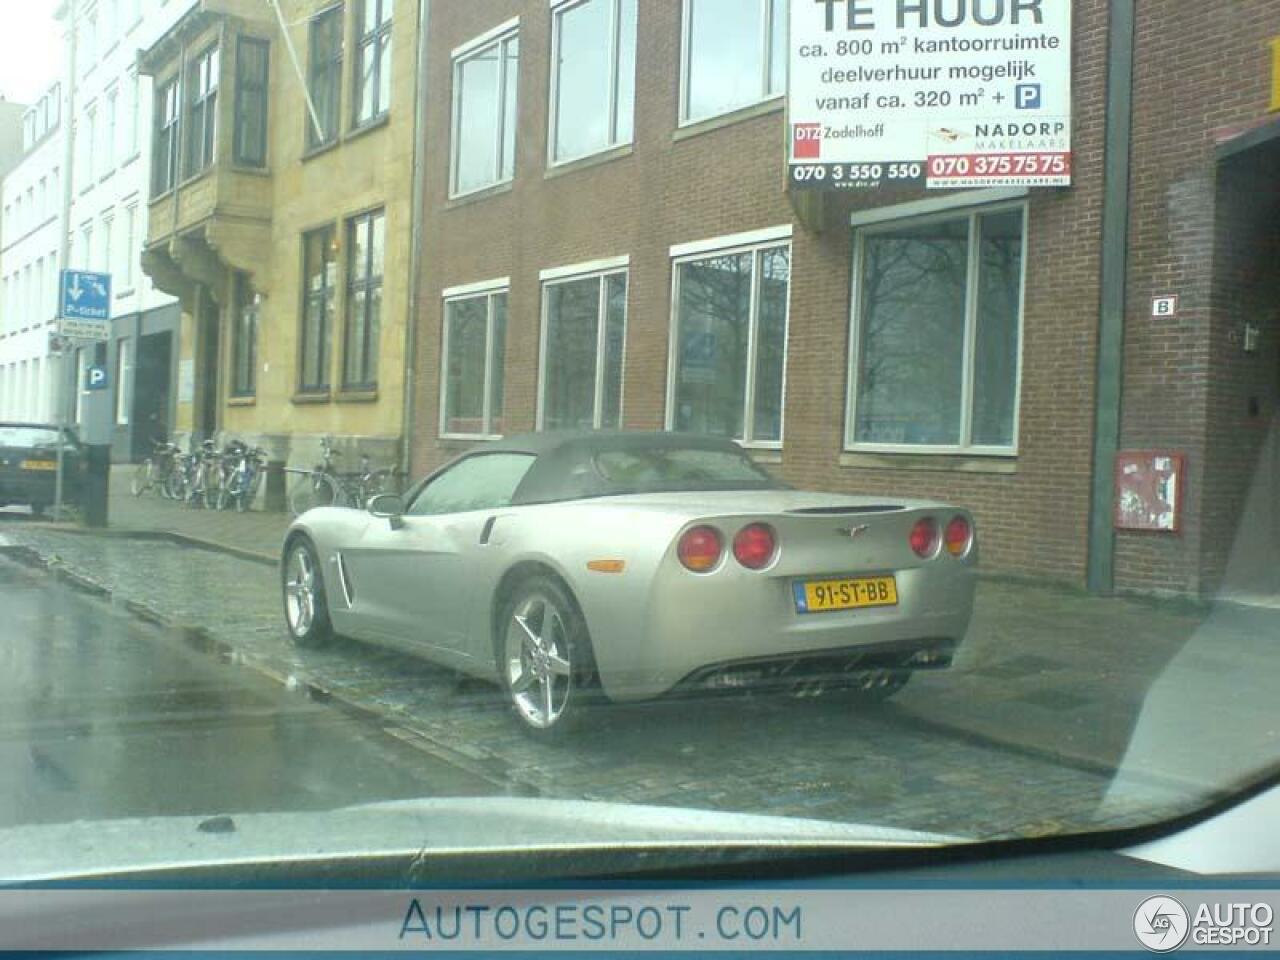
x=853, y=593
x=39, y=465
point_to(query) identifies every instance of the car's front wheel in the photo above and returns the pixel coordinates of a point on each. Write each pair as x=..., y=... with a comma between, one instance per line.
x=545, y=658
x=306, y=609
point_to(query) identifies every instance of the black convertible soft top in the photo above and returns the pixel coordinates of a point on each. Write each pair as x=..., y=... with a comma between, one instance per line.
x=567, y=467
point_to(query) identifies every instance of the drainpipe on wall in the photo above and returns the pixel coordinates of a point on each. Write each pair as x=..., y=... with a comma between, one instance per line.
x=1115, y=282
x=416, y=236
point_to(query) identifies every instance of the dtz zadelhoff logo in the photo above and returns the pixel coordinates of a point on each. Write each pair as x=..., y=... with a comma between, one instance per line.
x=807, y=141
x=1161, y=924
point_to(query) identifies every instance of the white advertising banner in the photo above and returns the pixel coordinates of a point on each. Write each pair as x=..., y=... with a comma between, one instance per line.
x=936, y=93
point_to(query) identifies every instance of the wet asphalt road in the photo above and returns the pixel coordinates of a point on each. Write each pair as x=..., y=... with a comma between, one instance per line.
x=103, y=717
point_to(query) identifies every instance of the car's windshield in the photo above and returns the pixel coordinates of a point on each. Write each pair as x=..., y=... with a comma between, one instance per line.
x=861, y=414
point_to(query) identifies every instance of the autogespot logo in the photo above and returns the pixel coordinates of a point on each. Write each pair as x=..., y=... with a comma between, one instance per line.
x=1161, y=924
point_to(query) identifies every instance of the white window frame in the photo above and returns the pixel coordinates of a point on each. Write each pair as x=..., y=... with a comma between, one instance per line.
x=686, y=64
x=558, y=9
x=495, y=39
x=487, y=289
x=753, y=242
x=969, y=207
x=596, y=270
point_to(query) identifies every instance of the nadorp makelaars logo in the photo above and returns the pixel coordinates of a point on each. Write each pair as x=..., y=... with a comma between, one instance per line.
x=1161, y=924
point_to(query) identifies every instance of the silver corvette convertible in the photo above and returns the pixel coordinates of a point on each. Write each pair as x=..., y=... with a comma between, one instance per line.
x=581, y=567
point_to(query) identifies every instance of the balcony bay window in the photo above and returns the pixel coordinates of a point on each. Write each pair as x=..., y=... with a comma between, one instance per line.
x=164, y=168
x=584, y=330
x=729, y=342
x=475, y=334
x=735, y=54
x=593, y=77
x=202, y=118
x=484, y=113
x=937, y=333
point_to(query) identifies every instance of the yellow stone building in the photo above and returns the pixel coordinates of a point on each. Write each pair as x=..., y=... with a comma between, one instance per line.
x=280, y=214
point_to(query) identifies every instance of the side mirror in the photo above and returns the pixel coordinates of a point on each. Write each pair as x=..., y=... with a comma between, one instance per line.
x=388, y=506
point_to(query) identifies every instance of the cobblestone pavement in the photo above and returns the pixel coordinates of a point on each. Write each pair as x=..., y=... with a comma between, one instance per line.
x=925, y=761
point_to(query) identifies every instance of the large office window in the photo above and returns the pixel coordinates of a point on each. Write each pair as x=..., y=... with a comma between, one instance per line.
x=937, y=333
x=729, y=342
x=253, y=76
x=373, y=60
x=584, y=331
x=593, y=77
x=132, y=112
x=366, y=246
x=202, y=122
x=244, y=345
x=484, y=114
x=324, y=75
x=319, y=284
x=164, y=167
x=475, y=333
x=735, y=54
x=128, y=266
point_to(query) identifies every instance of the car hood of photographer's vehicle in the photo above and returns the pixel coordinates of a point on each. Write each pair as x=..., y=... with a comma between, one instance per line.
x=444, y=827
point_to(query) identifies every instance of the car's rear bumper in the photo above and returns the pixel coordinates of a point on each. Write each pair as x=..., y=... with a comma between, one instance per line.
x=699, y=628
x=31, y=486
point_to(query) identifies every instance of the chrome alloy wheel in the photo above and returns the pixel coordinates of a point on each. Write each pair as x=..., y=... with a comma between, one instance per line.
x=536, y=658
x=300, y=591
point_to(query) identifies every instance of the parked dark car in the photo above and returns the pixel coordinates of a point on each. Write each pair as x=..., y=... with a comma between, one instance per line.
x=29, y=464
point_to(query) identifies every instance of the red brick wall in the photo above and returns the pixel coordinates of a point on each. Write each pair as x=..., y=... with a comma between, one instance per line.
x=1198, y=67
x=672, y=190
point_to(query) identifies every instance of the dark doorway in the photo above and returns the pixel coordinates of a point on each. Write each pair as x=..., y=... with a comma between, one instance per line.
x=151, y=398
x=206, y=422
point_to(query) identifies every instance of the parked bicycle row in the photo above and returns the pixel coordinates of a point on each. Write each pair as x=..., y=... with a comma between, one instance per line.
x=219, y=479
x=210, y=478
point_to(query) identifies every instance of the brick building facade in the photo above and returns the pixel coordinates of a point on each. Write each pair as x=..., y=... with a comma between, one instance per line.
x=539, y=229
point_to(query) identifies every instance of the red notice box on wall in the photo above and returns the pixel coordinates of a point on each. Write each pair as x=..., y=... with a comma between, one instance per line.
x=1150, y=490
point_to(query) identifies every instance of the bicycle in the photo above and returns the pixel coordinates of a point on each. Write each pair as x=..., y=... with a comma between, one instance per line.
x=241, y=485
x=153, y=473
x=202, y=479
x=323, y=486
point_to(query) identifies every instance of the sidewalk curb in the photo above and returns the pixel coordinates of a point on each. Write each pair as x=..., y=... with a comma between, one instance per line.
x=205, y=642
x=164, y=536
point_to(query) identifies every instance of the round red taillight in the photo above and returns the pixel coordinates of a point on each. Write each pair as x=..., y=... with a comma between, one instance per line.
x=700, y=548
x=958, y=536
x=754, y=546
x=924, y=538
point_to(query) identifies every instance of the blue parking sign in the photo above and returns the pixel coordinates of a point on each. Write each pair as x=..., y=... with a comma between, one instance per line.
x=85, y=295
x=95, y=378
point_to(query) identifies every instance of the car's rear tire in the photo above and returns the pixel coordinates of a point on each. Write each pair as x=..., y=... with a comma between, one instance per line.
x=306, y=608
x=545, y=661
